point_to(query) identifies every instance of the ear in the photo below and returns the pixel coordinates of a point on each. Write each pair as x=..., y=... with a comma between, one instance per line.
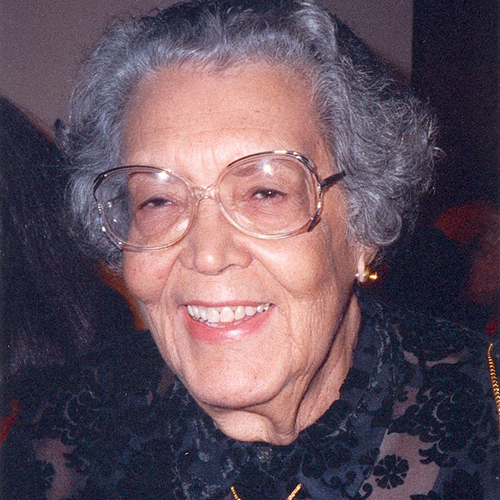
x=366, y=256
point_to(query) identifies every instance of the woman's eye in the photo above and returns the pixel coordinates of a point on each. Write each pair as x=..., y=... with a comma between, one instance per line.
x=155, y=202
x=268, y=194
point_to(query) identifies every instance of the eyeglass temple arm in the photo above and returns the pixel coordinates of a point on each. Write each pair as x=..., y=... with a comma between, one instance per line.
x=324, y=185
x=330, y=181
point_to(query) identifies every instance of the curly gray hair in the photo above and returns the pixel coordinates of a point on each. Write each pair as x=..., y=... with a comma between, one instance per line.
x=378, y=132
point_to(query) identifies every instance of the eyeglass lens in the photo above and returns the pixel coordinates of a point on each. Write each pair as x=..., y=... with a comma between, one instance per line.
x=265, y=195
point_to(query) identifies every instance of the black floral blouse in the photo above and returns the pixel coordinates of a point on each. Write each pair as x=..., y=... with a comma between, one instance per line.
x=415, y=420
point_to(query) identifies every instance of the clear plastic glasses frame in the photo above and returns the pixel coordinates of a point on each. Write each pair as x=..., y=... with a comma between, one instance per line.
x=197, y=193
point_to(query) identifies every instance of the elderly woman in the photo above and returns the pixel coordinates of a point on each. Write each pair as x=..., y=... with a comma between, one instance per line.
x=243, y=162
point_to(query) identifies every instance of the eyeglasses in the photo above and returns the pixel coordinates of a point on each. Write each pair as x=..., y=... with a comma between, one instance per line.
x=268, y=195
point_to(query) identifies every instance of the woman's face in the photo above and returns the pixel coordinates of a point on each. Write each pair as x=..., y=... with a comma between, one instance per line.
x=196, y=122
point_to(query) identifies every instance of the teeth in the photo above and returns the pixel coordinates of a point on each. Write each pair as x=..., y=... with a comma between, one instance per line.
x=224, y=314
x=239, y=313
x=212, y=315
x=203, y=313
x=250, y=311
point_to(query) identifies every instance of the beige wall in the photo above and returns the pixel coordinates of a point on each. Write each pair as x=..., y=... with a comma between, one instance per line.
x=41, y=41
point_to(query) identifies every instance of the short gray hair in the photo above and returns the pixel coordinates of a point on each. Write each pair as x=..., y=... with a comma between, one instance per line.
x=378, y=132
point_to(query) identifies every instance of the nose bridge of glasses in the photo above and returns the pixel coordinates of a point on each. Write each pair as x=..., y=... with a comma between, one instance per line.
x=204, y=193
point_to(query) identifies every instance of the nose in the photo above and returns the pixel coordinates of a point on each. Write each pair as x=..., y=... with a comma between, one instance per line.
x=212, y=244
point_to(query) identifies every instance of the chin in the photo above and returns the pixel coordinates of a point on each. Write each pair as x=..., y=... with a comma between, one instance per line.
x=235, y=392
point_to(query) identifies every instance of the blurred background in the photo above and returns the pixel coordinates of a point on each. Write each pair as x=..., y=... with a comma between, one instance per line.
x=447, y=49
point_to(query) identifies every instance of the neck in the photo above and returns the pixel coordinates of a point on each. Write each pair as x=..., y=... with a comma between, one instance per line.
x=302, y=401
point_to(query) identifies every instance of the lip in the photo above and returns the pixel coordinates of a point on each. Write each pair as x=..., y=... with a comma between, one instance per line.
x=229, y=303
x=232, y=332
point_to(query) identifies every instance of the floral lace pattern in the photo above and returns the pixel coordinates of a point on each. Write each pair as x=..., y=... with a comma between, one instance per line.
x=415, y=420
x=391, y=472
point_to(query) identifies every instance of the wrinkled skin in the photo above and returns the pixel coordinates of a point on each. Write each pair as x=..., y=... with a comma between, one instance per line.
x=269, y=384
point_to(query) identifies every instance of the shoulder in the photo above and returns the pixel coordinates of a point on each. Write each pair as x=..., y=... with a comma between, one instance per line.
x=444, y=425
x=427, y=341
x=440, y=365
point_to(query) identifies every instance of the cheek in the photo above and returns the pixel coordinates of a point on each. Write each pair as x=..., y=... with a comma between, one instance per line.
x=144, y=275
x=315, y=263
x=317, y=274
x=316, y=277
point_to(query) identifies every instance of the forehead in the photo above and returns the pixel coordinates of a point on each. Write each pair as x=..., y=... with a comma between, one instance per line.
x=184, y=112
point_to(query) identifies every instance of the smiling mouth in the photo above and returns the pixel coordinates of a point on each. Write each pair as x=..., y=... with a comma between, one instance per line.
x=219, y=317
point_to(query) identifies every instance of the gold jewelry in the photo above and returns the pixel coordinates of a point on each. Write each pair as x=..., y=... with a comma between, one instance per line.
x=291, y=496
x=368, y=274
x=494, y=383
